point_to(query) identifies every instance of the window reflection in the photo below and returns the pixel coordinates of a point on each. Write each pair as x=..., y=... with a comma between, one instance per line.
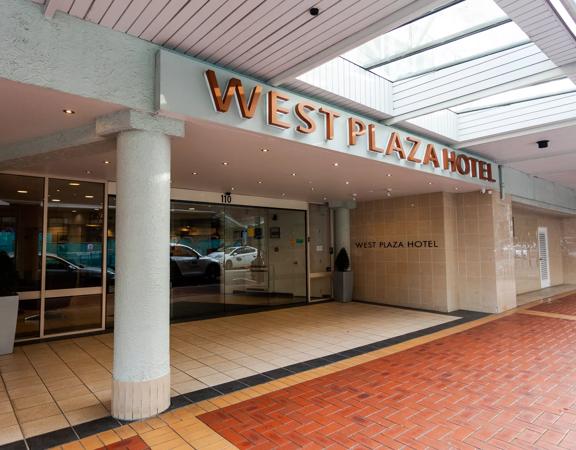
x=21, y=208
x=74, y=237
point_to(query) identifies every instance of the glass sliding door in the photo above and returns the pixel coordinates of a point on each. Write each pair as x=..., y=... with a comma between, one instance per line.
x=287, y=256
x=21, y=212
x=196, y=235
x=73, y=260
x=244, y=257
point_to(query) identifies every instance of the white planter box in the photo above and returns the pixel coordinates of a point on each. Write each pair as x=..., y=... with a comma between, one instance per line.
x=8, y=317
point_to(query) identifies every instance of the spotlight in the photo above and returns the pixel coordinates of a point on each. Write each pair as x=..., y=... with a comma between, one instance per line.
x=314, y=11
x=543, y=143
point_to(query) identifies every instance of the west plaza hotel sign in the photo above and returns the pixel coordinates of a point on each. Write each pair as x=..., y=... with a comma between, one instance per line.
x=187, y=88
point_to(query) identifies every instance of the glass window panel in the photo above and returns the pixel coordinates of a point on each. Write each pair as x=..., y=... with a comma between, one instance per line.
x=516, y=95
x=196, y=234
x=72, y=313
x=21, y=209
x=28, y=322
x=470, y=47
x=74, y=235
x=429, y=30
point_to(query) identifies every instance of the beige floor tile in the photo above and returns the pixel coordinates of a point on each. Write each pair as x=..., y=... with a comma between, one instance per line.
x=201, y=372
x=34, y=400
x=37, y=412
x=87, y=414
x=5, y=407
x=82, y=401
x=44, y=425
x=71, y=392
x=10, y=434
x=27, y=391
x=189, y=386
x=241, y=372
x=7, y=420
x=215, y=379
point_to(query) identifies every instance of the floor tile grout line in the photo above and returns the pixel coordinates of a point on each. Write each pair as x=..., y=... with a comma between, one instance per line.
x=51, y=396
x=441, y=333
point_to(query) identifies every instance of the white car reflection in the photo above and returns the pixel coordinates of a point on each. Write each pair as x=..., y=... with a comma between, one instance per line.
x=235, y=257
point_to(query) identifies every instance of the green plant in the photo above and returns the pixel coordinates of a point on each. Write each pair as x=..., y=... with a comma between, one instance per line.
x=342, y=261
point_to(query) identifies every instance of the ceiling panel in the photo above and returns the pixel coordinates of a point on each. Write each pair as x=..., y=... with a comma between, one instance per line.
x=261, y=38
x=539, y=21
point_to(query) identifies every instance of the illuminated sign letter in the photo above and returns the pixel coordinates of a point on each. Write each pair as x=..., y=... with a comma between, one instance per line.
x=222, y=102
x=395, y=145
x=274, y=109
x=302, y=110
x=355, y=128
x=330, y=116
x=413, y=150
x=430, y=155
x=372, y=139
x=449, y=160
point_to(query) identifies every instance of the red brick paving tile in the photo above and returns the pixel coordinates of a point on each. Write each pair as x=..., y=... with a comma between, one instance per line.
x=565, y=305
x=510, y=383
x=133, y=443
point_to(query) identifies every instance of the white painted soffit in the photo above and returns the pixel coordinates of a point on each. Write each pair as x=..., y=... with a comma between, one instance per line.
x=272, y=40
x=540, y=22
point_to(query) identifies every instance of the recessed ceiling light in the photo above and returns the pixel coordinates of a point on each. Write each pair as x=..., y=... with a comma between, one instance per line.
x=232, y=188
x=106, y=162
x=88, y=172
x=325, y=198
x=335, y=164
x=429, y=182
x=354, y=195
x=56, y=200
x=73, y=183
x=312, y=188
x=456, y=188
x=264, y=150
x=388, y=194
x=293, y=174
x=22, y=191
x=347, y=182
x=192, y=209
x=388, y=174
x=69, y=111
x=74, y=210
x=259, y=181
x=88, y=196
x=194, y=173
x=283, y=194
x=225, y=163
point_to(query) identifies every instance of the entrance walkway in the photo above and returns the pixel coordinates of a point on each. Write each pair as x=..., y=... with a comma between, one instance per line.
x=66, y=384
x=500, y=382
x=545, y=294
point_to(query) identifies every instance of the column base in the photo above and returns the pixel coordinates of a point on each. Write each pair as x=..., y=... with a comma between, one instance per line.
x=132, y=400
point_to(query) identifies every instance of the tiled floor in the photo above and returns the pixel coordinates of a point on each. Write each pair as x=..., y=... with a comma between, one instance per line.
x=543, y=294
x=505, y=381
x=507, y=384
x=54, y=385
x=565, y=305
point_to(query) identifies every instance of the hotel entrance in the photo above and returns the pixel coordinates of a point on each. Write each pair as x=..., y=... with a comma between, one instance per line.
x=228, y=258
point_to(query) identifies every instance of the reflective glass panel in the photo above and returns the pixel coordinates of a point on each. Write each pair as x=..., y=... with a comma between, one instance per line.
x=21, y=209
x=74, y=235
x=473, y=46
x=429, y=30
x=516, y=95
x=196, y=235
x=72, y=313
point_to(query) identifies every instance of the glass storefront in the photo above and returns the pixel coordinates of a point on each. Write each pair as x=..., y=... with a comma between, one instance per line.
x=228, y=258
x=223, y=258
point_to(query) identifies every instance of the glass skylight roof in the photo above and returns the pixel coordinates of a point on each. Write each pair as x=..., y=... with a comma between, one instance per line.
x=549, y=88
x=463, y=31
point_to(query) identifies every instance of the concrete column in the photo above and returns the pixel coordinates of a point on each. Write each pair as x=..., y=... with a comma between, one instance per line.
x=341, y=229
x=141, y=374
